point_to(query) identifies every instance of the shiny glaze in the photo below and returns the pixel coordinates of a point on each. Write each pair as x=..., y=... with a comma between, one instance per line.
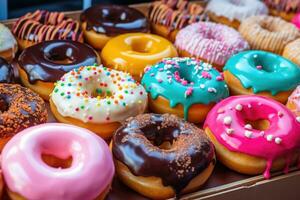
x=283, y=125
x=114, y=19
x=264, y=71
x=6, y=72
x=25, y=172
x=132, y=52
x=296, y=20
x=46, y=61
x=185, y=81
x=190, y=152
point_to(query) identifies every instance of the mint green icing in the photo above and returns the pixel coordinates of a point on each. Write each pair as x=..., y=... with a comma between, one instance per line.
x=276, y=75
x=197, y=83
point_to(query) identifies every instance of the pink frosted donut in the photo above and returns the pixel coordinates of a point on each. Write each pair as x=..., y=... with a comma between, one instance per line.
x=296, y=20
x=294, y=102
x=28, y=176
x=210, y=42
x=229, y=123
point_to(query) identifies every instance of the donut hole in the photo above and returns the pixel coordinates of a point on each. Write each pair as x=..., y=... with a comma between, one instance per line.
x=59, y=54
x=56, y=162
x=260, y=124
x=166, y=145
x=270, y=27
x=141, y=46
x=4, y=105
x=264, y=63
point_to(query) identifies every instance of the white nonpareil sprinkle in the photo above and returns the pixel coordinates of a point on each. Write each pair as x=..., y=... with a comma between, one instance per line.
x=202, y=86
x=278, y=140
x=298, y=119
x=269, y=137
x=280, y=114
x=248, y=126
x=229, y=131
x=227, y=120
x=239, y=107
x=248, y=134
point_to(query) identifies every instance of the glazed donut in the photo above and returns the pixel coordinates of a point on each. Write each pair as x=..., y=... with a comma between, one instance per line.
x=30, y=158
x=20, y=108
x=254, y=134
x=167, y=17
x=262, y=73
x=268, y=33
x=294, y=102
x=283, y=8
x=292, y=51
x=6, y=72
x=296, y=20
x=210, y=42
x=97, y=98
x=161, y=156
x=43, y=25
x=132, y=52
x=41, y=65
x=8, y=43
x=232, y=12
x=102, y=22
x=185, y=87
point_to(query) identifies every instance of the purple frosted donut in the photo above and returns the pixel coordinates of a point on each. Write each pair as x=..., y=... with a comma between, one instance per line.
x=210, y=42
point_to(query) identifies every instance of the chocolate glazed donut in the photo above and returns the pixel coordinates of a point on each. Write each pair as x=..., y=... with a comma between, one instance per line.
x=114, y=19
x=138, y=145
x=6, y=71
x=49, y=61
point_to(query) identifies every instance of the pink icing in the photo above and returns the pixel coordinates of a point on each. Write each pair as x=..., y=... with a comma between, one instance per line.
x=25, y=172
x=295, y=99
x=280, y=139
x=296, y=20
x=215, y=43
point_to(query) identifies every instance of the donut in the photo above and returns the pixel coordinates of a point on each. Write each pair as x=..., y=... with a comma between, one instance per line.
x=167, y=17
x=6, y=72
x=185, y=87
x=29, y=164
x=102, y=22
x=8, y=43
x=42, y=64
x=296, y=20
x=210, y=42
x=268, y=33
x=132, y=52
x=283, y=8
x=292, y=51
x=293, y=102
x=43, y=25
x=20, y=108
x=254, y=134
x=97, y=98
x=262, y=73
x=162, y=156
x=232, y=12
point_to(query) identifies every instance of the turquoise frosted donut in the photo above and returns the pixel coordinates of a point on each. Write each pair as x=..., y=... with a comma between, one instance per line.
x=262, y=72
x=185, y=81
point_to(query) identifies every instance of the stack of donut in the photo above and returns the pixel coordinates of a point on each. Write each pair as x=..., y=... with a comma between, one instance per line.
x=155, y=100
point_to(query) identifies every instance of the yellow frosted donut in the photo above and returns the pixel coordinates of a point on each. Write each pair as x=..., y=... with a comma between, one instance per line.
x=132, y=52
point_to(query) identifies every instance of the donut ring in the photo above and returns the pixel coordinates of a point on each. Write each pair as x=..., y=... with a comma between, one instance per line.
x=97, y=98
x=20, y=108
x=41, y=65
x=162, y=155
x=26, y=151
x=210, y=42
x=268, y=33
x=261, y=73
x=132, y=52
x=292, y=51
x=247, y=145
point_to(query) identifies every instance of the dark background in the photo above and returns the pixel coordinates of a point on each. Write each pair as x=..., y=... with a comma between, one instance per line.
x=17, y=8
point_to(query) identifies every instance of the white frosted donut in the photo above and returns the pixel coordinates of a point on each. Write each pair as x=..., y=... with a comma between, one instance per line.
x=7, y=42
x=99, y=95
x=237, y=9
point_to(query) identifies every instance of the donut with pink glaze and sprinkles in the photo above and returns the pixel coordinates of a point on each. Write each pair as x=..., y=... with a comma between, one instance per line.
x=254, y=134
x=210, y=42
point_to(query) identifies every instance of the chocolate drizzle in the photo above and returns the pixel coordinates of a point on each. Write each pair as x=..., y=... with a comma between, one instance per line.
x=49, y=61
x=6, y=72
x=137, y=145
x=114, y=19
